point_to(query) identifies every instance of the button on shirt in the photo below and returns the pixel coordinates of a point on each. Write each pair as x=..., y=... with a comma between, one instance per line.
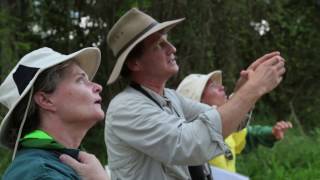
x=145, y=141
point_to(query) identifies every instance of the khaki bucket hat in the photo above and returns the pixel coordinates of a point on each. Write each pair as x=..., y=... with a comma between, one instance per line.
x=133, y=27
x=193, y=85
x=21, y=79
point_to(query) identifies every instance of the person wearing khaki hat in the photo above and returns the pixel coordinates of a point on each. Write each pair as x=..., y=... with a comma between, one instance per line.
x=208, y=89
x=152, y=132
x=52, y=103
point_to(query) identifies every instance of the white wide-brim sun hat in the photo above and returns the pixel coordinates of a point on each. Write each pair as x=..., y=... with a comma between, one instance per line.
x=193, y=85
x=132, y=28
x=21, y=79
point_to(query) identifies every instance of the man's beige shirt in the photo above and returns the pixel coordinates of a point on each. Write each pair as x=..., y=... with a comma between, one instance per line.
x=146, y=142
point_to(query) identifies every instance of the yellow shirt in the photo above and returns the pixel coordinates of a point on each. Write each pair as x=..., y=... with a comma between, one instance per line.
x=236, y=142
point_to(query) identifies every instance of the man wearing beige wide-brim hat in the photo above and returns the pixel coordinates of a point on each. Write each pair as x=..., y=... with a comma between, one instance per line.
x=151, y=131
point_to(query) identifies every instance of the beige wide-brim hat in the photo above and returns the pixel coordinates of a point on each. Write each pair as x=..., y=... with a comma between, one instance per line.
x=133, y=27
x=23, y=76
x=193, y=85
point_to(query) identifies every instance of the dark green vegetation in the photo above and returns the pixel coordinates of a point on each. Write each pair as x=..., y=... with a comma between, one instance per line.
x=296, y=157
x=217, y=34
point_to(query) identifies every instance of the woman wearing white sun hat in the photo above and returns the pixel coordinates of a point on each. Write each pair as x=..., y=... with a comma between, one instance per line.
x=208, y=89
x=52, y=103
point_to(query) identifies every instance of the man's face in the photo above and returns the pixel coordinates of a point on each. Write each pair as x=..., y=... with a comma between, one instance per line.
x=213, y=94
x=158, y=60
x=76, y=98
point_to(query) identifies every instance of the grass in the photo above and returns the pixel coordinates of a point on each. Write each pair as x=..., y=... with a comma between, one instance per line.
x=294, y=158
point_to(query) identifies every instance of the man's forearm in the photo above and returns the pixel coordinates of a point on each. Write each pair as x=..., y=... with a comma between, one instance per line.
x=234, y=111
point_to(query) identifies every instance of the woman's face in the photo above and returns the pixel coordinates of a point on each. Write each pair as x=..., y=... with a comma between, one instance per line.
x=213, y=94
x=76, y=98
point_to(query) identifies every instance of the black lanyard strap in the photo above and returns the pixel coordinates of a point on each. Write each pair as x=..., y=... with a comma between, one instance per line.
x=195, y=171
x=137, y=87
x=140, y=89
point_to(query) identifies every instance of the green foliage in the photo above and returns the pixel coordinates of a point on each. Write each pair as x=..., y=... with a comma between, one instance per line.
x=4, y=160
x=295, y=157
x=10, y=42
x=217, y=34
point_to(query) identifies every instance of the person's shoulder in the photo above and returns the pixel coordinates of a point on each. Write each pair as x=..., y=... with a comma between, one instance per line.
x=129, y=97
x=171, y=93
x=125, y=95
x=31, y=154
x=37, y=164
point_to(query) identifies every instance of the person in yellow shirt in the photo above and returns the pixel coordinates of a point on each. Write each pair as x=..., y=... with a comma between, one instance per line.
x=208, y=89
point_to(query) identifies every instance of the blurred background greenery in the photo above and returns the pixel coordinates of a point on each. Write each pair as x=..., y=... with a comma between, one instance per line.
x=217, y=34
